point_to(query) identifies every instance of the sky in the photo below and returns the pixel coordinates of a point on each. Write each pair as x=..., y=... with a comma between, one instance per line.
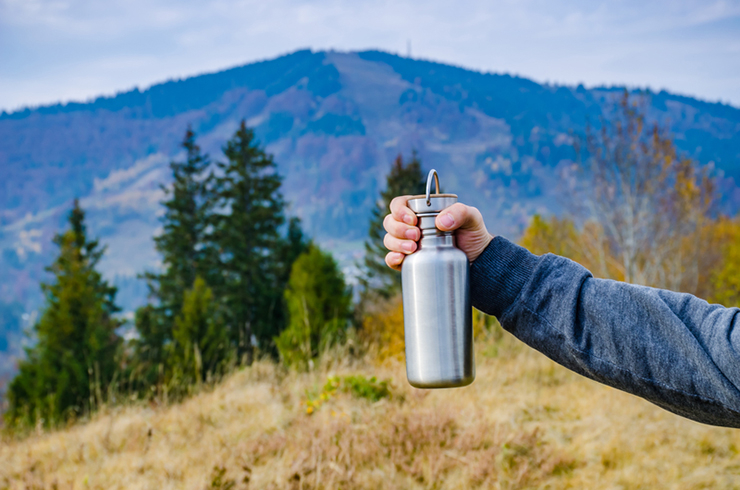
x=62, y=50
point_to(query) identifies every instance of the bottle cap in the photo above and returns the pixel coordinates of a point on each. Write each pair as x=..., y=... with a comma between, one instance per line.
x=431, y=203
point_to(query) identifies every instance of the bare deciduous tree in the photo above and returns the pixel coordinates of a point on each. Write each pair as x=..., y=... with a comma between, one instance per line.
x=642, y=204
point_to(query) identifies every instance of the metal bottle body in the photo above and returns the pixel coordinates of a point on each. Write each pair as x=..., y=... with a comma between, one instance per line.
x=437, y=311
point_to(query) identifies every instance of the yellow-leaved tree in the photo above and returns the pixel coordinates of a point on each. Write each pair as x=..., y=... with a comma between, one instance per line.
x=725, y=275
x=640, y=212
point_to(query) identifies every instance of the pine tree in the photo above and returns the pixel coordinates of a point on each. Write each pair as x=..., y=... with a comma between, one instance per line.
x=319, y=306
x=246, y=234
x=294, y=245
x=74, y=359
x=378, y=279
x=148, y=364
x=185, y=255
x=182, y=242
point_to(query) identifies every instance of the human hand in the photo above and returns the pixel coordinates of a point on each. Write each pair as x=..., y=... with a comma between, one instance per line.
x=471, y=236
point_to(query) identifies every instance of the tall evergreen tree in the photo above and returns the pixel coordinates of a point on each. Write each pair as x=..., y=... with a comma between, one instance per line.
x=184, y=257
x=182, y=241
x=378, y=279
x=74, y=359
x=147, y=368
x=294, y=245
x=246, y=234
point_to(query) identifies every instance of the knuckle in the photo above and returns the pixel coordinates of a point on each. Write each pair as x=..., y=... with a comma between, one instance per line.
x=456, y=210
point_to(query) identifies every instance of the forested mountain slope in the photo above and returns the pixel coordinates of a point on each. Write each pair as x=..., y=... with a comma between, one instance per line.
x=334, y=122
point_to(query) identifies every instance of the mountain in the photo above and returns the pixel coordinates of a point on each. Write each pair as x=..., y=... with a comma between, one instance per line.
x=334, y=122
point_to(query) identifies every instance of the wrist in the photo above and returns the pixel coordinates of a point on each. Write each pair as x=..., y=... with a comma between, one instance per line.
x=499, y=274
x=486, y=240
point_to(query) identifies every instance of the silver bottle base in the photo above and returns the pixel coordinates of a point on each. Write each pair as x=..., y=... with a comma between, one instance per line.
x=442, y=383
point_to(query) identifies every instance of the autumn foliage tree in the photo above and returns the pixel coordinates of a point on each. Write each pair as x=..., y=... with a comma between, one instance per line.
x=642, y=212
x=725, y=275
x=645, y=198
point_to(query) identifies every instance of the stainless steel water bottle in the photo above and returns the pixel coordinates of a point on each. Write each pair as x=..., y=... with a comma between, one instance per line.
x=436, y=301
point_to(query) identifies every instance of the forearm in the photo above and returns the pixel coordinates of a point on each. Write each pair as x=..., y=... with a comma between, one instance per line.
x=673, y=349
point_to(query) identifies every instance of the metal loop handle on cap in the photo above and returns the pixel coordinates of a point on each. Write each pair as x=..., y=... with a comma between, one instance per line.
x=432, y=173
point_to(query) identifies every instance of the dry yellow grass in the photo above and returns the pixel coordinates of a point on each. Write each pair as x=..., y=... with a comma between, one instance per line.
x=524, y=423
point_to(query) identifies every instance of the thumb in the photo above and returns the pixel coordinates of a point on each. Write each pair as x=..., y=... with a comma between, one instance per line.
x=459, y=216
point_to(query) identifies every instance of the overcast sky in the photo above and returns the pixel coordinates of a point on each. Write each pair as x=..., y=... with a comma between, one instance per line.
x=60, y=50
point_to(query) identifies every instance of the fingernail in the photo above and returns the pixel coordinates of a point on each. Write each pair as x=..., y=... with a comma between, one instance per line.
x=411, y=234
x=408, y=219
x=447, y=220
x=408, y=246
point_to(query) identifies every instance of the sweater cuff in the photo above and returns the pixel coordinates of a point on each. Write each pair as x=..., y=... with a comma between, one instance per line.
x=498, y=275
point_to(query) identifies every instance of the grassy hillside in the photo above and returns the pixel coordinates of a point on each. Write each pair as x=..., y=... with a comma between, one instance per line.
x=524, y=423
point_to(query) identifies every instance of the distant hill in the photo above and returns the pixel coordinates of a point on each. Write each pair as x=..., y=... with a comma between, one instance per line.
x=334, y=122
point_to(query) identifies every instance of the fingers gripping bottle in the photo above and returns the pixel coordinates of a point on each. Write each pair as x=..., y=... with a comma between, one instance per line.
x=436, y=301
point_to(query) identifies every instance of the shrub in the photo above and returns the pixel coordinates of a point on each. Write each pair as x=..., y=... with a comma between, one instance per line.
x=358, y=386
x=319, y=308
x=382, y=329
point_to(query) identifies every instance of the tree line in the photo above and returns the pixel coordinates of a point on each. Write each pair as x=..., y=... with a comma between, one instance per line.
x=237, y=276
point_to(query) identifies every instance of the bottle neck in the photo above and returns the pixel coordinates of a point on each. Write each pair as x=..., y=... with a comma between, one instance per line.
x=431, y=236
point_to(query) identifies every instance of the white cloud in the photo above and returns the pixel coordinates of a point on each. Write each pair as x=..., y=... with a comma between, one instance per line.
x=52, y=50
